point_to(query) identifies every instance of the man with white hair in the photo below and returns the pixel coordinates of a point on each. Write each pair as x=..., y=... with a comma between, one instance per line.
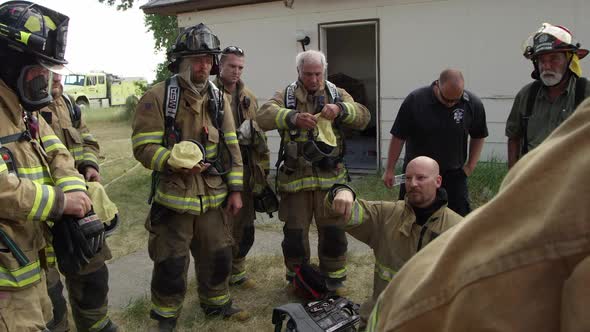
x=307, y=166
x=541, y=106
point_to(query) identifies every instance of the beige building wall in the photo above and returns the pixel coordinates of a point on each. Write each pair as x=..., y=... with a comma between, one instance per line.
x=418, y=38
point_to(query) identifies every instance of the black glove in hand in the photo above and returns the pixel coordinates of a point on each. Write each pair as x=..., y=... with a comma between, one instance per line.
x=91, y=234
x=77, y=240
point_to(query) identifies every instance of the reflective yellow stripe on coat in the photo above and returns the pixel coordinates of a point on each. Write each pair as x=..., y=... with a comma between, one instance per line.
x=21, y=277
x=154, y=137
x=231, y=138
x=356, y=215
x=77, y=152
x=38, y=174
x=3, y=167
x=52, y=142
x=385, y=273
x=313, y=183
x=71, y=183
x=159, y=159
x=195, y=205
x=43, y=203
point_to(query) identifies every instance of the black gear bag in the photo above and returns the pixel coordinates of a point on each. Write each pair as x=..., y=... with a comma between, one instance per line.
x=309, y=283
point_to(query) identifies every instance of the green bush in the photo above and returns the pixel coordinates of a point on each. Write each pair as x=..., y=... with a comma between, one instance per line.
x=130, y=106
x=483, y=184
x=109, y=114
x=485, y=181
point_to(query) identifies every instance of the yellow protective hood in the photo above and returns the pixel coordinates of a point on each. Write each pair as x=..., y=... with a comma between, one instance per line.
x=325, y=131
x=185, y=154
x=575, y=65
x=104, y=208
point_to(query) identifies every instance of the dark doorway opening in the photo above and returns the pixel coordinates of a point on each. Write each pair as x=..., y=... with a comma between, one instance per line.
x=351, y=49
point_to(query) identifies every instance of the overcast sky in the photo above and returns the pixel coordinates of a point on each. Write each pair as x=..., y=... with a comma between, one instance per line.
x=102, y=38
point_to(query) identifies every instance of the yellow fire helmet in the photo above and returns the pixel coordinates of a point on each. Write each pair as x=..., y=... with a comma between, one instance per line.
x=186, y=154
x=325, y=131
x=104, y=208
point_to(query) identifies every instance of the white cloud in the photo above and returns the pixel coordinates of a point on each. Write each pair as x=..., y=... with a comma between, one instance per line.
x=102, y=38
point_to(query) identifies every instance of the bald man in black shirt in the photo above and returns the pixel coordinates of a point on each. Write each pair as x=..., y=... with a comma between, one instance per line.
x=440, y=121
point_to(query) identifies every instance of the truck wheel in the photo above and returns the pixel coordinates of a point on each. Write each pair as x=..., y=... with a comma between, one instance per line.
x=83, y=104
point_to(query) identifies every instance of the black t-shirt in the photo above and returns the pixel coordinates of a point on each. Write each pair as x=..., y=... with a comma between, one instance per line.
x=431, y=129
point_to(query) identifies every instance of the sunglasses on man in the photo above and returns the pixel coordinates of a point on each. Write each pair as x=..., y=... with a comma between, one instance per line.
x=233, y=50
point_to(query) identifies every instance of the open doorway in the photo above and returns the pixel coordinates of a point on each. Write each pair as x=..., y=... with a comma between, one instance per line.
x=352, y=52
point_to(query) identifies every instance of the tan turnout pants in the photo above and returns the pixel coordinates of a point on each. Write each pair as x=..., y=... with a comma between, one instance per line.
x=243, y=234
x=26, y=309
x=172, y=236
x=297, y=210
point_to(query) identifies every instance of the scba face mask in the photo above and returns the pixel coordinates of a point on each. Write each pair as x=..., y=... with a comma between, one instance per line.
x=34, y=87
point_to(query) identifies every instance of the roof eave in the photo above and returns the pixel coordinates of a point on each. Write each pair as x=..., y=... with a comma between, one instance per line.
x=191, y=6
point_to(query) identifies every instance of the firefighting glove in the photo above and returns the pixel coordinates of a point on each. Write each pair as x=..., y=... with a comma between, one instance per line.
x=76, y=241
x=64, y=247
x=88, y=233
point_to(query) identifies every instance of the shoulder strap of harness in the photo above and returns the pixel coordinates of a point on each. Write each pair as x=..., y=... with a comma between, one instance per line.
x=290, y=99
x=74, y=110
x=333, y=90
x=12, y=138
x=215, y=106
x=530, y=103
x=171, y=134
x=171, y=101
x=580, y=93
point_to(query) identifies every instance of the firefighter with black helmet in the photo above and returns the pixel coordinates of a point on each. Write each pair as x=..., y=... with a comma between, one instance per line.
x=190, y=204
x=541, y=106
x=38, y=181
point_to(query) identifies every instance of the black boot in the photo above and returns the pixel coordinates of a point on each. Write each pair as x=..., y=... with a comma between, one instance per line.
x=228, y=311
x=167, y=325
x=110, y=327
x=164, y=324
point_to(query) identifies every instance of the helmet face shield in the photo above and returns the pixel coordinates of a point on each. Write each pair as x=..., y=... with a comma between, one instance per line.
x=198, y=41
x=34, y=87
x=55, y=68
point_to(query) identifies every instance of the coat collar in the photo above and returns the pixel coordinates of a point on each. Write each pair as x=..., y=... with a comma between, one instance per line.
x=9, y=101
x=409, y=216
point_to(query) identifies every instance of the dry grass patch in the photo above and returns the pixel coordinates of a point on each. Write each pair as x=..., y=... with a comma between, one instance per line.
x=269, y=273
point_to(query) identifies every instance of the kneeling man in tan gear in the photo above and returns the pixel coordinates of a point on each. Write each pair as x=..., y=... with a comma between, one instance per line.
x=519, y=263
x=396, y=230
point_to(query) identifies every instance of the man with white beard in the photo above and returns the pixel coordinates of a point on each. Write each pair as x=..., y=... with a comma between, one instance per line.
x=541, y=106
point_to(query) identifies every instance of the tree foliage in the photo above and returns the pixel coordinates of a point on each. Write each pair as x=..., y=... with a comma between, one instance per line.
x=164, y=29
x=123, y=4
